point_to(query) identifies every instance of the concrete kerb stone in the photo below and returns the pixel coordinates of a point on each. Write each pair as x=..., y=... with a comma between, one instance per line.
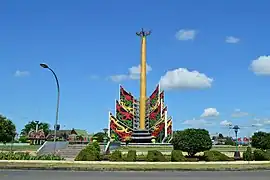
x=154, y=163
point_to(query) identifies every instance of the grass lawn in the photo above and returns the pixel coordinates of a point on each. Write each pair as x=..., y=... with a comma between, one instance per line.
x=129, y=167
x=19, y=148
x=166, y=148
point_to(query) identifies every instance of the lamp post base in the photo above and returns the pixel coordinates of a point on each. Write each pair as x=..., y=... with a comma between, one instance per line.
x=237, y=155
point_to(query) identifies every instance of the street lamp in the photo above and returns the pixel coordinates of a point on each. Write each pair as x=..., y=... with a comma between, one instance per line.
x=105, y=139
x=236, y=153
x=36, y=141
x=45, y=66
x=36, y=125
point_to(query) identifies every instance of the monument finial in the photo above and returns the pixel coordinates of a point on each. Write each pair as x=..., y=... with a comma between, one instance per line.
x=143, y=33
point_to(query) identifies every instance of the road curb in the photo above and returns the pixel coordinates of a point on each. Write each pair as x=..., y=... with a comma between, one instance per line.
x=136, y=163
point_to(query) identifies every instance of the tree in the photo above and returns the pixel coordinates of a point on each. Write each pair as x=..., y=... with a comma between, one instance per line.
x=261, y=140
x=192, y=141
x=7, y=130
x=99, y=136
x=229, y=141
x=220, y=136
x=23, y=139
x=32, y=125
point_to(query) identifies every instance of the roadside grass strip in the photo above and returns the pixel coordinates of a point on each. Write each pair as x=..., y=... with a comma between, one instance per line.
x=136, y=166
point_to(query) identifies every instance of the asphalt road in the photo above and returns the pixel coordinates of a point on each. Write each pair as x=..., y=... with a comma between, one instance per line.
x=64, y=175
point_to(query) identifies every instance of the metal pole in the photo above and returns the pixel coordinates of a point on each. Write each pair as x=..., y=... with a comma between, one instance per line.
x=36, y=141
x=236, y=142
x=57, y=107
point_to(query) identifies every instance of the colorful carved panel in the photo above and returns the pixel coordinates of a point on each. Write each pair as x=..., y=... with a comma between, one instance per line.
x=159, y=132
x=169, y=127
x=155, y=116
x=169, y=131
x=123, y=115
x=118, y=130
x=121, y=126
x=126, y=100
x=154, y=99
x=163, y=112
x=161, y=97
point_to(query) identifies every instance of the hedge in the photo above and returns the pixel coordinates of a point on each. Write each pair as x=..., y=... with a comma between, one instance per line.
x=155, y=156
x=116, y=156
x=177, y=156
x=216, y=156
x=90, y=153
x=131, y=156
x=28, y=156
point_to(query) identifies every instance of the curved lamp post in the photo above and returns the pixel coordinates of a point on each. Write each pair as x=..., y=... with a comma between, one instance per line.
x=236, y=153
x=45, y=66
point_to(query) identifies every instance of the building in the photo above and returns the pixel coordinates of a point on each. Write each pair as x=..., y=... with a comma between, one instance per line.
x=73, y=136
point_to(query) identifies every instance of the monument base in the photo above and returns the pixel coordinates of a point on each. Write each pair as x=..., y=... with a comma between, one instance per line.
x=141, y=136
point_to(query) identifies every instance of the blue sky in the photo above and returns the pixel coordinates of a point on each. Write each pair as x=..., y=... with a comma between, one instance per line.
x=214, y=54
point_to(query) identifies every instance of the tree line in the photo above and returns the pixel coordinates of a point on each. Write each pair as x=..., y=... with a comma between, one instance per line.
x=8, y=130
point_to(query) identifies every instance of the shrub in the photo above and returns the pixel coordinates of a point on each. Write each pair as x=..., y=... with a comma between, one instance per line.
x=155, y=156
x=90, y=153
x=260, y=155
x=131, y=156
x=96, y=146
x=116, y=156
x=141, y=157
x=177, y=156
x=268, y=153
x=261, y=140
x=192, y=141
x=248, y=155
x=216, y=156
x=106, y=157
x=23, y=139
x=27, y=156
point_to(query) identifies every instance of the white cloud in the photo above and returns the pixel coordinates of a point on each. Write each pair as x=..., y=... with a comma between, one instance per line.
x=257, y=125
x=225, y=123
x=239, y=113
x=19, y=73
x=232, y=40
x=194, y=122
x=182, y=78
x=133, y=74
x=267, y=121
x=186, y=34
x=134, y=71
x=261, y=65
x=210, y=112
x=119, y=78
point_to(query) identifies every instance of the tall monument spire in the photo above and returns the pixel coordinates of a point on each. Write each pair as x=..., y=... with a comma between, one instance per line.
x=143, y=34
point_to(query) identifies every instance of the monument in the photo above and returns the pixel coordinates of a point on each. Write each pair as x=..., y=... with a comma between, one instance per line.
x=144, y=120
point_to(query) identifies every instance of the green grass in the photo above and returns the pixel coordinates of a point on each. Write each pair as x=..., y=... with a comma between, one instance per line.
x=130, y=167
x=19, y=148
x=124, y=148
x=166, y=148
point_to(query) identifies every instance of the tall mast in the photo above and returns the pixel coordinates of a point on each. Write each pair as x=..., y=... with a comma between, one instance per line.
x=143, y=34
